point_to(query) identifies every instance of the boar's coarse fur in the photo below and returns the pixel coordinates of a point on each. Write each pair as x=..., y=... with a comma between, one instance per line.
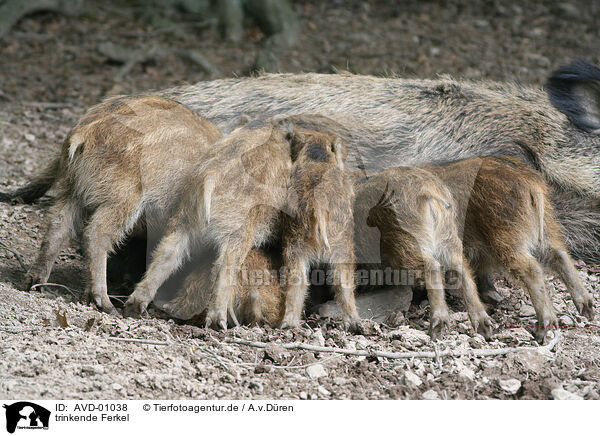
x=127, y=159
x=388, y=122
x=416, y=218
x=509, y=225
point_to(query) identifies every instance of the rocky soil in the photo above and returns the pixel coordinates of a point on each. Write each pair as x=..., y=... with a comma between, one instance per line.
x=52, y=346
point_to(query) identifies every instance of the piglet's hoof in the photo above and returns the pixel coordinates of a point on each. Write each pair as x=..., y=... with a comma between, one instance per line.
x=32, y=279
x=216, y=318
x=546, y=323
x=353, y=325
x=290, y=322
x=439, y=323
x=101, y=302
x=135, y=307
x=587, y=309
x=482, y=324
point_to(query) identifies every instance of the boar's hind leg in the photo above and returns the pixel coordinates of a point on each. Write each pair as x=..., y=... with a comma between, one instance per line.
x=344, y=294
x=439, y=317
x=105, y=228
x=526, y=268
x=168, y=256
x=561, y=262
x=481, y=321
x=64, y=218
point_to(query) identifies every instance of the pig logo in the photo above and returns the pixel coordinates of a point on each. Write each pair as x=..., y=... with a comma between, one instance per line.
x=25, y=415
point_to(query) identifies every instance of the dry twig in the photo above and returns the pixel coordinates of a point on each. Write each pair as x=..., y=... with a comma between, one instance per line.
x=404, y=354
x=142, y=341
x=56, y=285
x=384, y=354
x=15, y=253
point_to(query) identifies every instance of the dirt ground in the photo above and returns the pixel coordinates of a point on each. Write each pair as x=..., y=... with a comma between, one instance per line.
x=52, y=346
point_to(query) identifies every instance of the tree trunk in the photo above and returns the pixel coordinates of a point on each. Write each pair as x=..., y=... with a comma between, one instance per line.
x=13, y=10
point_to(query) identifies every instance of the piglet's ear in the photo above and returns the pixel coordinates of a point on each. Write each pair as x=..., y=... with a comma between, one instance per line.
x=339, y=148
x=285, y=126
x=574, y=89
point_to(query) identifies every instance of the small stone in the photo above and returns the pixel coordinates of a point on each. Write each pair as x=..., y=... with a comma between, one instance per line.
x=274, y=352
x=531, y=360
x=463, y=327
x=362, y=343
x=430, y=395
x=303, y=395
x=339, y=381
x=462, y=338
x=477, y=341
x=117, y=387
x=262, y=368
x=516, y=335
x=590, y=393
x=411, y=335
x=315, y=371
x=323, y=391
x=512, y=385
x=317, y=338
x=527, y=310
x=29, y=137
x=460, y=316
x=257, y=384
x=92, y=369
x=411, y=379
x=466, y=373
x=562, y=394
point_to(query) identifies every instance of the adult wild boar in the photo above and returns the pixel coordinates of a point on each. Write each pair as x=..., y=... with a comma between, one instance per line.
x=387, y=122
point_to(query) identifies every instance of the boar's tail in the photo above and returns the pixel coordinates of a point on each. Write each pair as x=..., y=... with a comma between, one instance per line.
x=232, y=315
x=428, y=194
x=207, y=192
x=36, y=187
x=321, y=228
x=435, y=206
x=537, y=199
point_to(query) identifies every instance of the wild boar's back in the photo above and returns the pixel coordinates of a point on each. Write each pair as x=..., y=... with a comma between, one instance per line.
x=389, y=121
